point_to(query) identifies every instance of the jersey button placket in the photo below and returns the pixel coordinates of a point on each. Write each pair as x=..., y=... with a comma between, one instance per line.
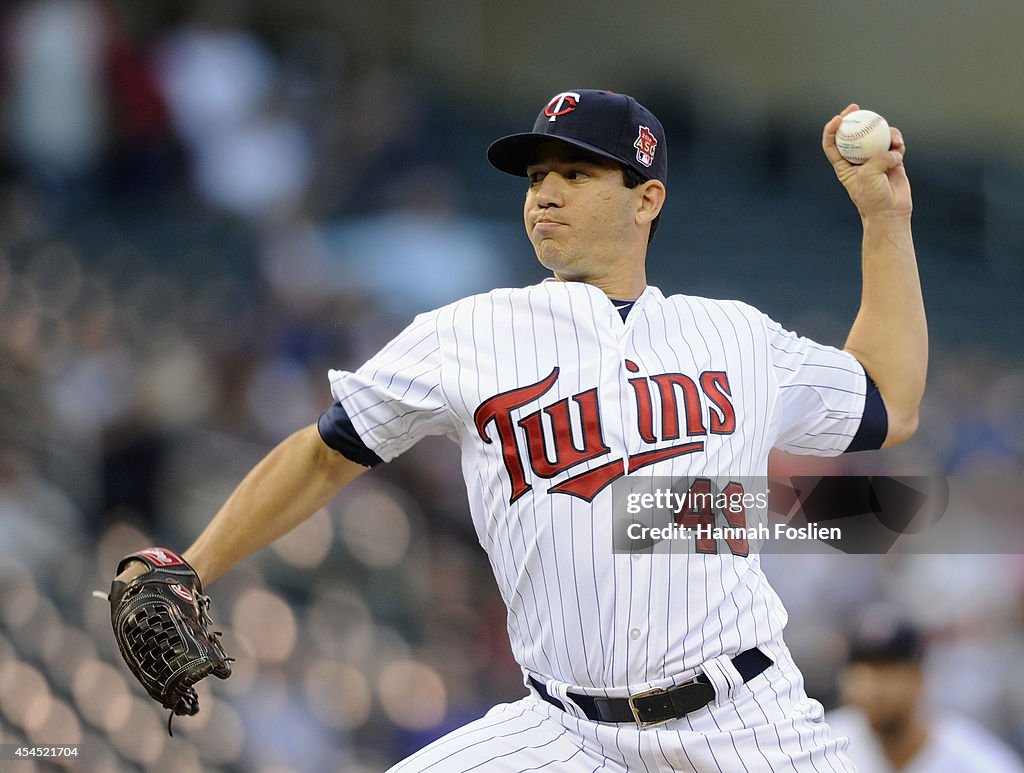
x=631, y=433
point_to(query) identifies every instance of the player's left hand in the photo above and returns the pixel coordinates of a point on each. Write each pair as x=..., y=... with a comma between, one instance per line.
x=878, y=187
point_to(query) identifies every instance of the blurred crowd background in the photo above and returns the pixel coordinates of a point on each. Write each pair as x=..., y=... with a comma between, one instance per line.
x=204, y=206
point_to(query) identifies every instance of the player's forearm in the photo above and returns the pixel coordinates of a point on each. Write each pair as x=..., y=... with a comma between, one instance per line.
x=890, y=335
x=291, y=483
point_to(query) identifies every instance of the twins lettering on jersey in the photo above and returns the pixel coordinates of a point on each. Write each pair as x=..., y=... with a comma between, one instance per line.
x=688, y=407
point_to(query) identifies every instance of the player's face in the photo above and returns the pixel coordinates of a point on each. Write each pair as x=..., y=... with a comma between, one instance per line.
x=579, y=215
x=887, y=693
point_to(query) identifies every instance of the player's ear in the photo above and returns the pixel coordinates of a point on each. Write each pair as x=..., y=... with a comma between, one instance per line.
x=650, y=199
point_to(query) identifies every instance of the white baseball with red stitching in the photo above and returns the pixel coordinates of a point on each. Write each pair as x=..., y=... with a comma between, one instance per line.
x=861, y=135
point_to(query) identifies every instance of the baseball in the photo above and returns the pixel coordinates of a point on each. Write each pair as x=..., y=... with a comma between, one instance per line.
x=861, y=135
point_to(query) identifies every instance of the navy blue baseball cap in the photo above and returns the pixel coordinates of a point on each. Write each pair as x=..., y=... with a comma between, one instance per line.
x=885, y=633
x=611, y=125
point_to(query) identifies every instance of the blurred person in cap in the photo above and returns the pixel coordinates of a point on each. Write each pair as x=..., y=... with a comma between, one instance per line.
x=890, y=724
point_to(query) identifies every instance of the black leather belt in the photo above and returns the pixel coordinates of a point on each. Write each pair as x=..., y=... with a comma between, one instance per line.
x=657, y=706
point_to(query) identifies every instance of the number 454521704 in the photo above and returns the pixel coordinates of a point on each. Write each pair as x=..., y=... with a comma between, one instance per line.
x=45, y=751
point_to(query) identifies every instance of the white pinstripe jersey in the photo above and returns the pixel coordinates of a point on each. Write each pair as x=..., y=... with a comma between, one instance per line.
x=551, y=396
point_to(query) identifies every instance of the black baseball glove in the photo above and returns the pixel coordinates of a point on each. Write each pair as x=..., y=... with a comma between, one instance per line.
x=161, y=623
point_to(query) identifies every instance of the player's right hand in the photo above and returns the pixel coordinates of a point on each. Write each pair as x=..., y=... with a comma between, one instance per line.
x=878, y=187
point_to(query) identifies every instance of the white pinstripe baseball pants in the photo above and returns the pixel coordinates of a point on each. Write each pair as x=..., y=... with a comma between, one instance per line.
x=769, y=725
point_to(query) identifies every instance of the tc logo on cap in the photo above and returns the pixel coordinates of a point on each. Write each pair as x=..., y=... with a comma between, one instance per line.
x=561, y=104
x=646, y=143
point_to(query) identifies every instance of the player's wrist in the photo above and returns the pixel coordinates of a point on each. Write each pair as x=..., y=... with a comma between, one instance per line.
x=886, y=219
x=132, y=569
x=887, y=233
x=201, y=563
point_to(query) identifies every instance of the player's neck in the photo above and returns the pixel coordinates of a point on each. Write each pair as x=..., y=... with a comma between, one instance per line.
x=622, y=285
x=902, y=746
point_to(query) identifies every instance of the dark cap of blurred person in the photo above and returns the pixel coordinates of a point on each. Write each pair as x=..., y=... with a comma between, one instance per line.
x=885, y=634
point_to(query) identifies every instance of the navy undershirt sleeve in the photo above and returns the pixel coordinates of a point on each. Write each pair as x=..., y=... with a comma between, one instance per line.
x=337, y=431
x=874, y=424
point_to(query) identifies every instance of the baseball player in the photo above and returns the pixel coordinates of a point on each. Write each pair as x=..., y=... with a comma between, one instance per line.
x=554, y=392
x=885, y=713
